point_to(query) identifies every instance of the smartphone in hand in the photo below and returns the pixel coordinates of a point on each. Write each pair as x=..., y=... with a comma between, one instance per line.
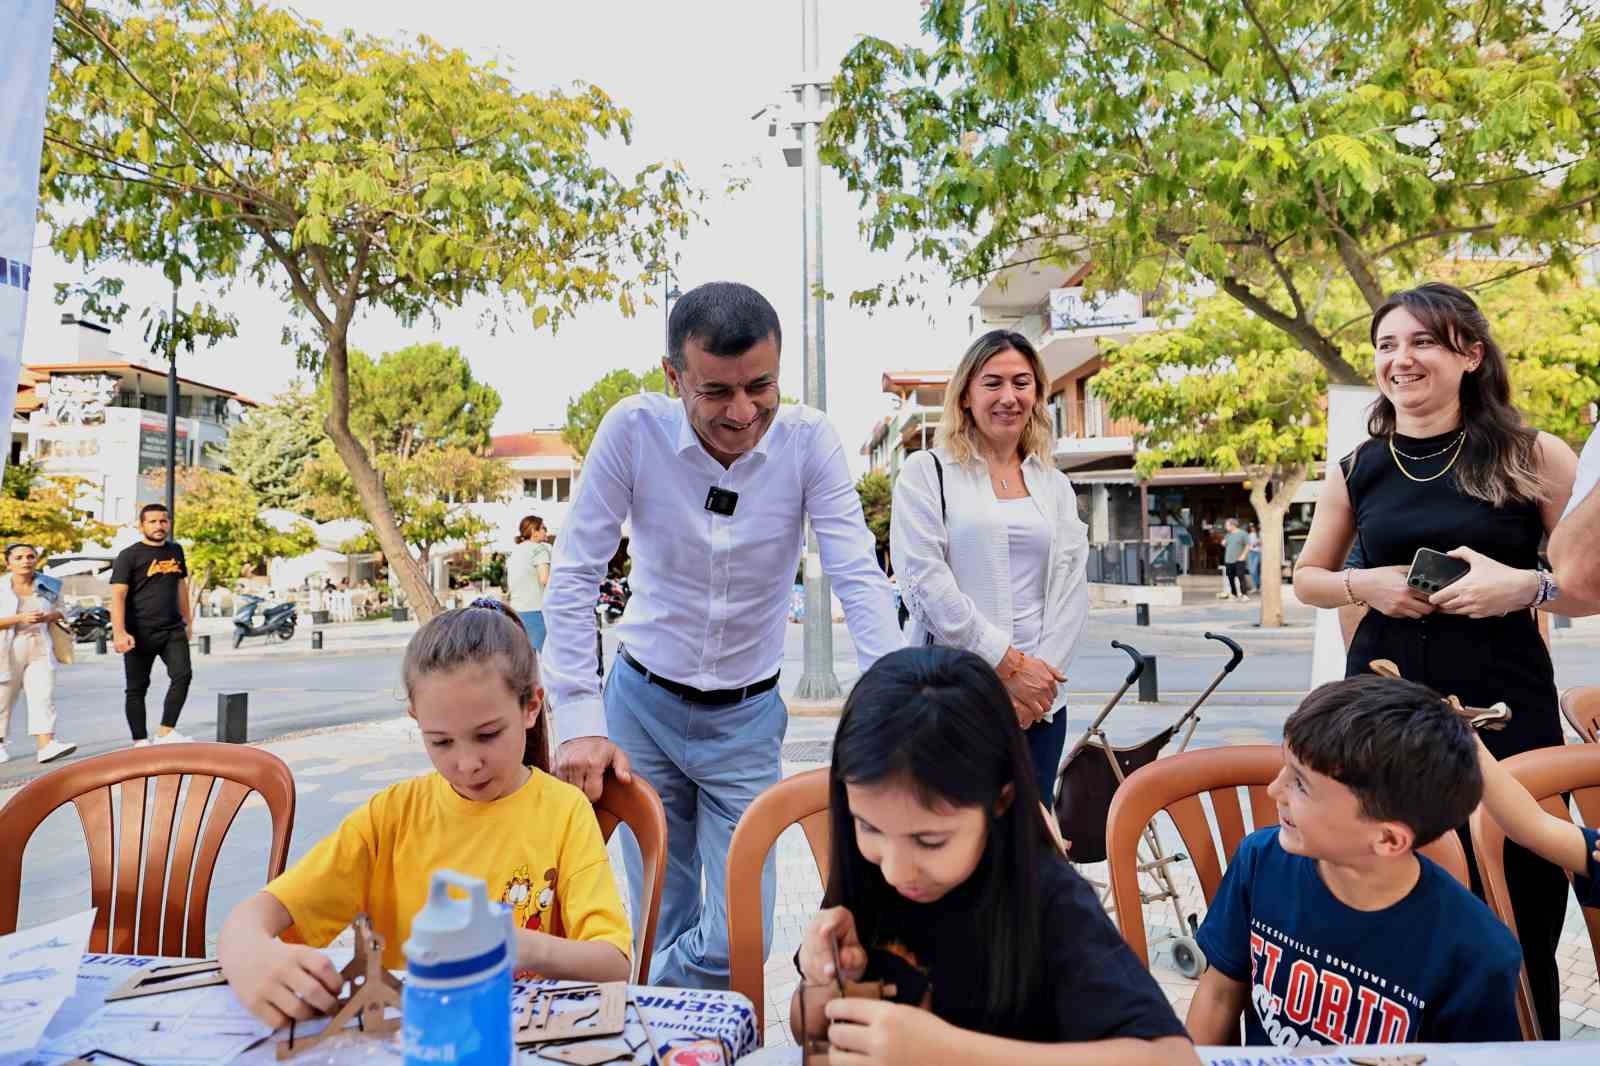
x=1432, y=571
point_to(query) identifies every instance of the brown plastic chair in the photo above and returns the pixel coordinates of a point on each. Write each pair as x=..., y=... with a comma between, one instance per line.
x=1581, y=707
x=1174, y=785
x=637, y=806
x=802, y=798
x=152, y=922
x=1546, y=773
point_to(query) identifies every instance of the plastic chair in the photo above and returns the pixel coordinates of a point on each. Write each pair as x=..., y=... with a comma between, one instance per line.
x=637, y=805
x=802, y=798
x=150, y=922
x=1546, y=773
x=1174, y=785
x=1581, y=707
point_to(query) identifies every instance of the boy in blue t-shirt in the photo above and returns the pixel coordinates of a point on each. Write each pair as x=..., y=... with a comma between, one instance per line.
x=1572, y=847
x=1330, y=929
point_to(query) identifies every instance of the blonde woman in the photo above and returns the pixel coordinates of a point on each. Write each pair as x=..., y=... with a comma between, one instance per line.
x=988, y=547
x=27, y=653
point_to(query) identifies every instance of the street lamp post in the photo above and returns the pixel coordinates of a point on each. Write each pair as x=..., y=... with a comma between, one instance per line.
x=814, y=93
x=172, y=409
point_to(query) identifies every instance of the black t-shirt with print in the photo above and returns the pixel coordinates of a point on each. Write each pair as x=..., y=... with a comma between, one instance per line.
x=152, y=573
x=1092, y=987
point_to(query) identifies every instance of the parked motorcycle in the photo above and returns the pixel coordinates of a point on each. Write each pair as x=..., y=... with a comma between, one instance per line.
x=88, y=623
x=277, y=620
x=614, y=593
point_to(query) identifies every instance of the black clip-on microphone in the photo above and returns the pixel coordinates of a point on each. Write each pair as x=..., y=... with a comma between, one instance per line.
x=721, y=501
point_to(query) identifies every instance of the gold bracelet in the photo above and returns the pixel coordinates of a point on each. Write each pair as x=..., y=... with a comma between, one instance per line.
x=1351, y=596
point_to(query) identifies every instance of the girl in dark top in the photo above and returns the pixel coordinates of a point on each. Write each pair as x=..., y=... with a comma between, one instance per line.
x=946, y=882
x=1450, y=465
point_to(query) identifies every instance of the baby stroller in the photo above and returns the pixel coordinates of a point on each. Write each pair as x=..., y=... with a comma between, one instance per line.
x=1094, y=768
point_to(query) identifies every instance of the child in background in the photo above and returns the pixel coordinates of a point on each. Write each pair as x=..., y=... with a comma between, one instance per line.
x=490, y=809
x=945, y=882
x=1329, y=928
x=1574, y=848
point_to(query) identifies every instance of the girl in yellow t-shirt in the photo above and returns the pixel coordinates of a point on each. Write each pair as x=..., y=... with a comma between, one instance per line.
x=490, y=809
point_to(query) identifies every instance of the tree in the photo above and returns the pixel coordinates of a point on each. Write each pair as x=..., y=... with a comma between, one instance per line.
x=234, y=141
x=1276, y=148
x=877, y=493
x=269, y=450
x=219, y=523
x=431, y=490
x=585, y=411
x=1229, y=392
x=43, y=511
x=421, y=396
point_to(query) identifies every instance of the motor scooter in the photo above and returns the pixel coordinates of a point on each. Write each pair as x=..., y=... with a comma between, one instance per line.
x=277, y=620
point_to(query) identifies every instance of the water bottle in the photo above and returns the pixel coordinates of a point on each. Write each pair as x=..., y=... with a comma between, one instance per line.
x=457, y=1000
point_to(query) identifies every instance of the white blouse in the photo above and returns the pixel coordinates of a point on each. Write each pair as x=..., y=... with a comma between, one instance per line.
x=958, y=575
x=1028, y=537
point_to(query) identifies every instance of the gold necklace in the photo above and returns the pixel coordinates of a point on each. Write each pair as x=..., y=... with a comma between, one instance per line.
x=1430, y=455
x=1460, y=441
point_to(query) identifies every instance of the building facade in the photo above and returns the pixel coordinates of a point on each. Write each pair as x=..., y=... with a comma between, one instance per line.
x=103, y=418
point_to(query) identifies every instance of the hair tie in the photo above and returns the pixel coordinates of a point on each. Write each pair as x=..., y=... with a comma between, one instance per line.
x=484, y=603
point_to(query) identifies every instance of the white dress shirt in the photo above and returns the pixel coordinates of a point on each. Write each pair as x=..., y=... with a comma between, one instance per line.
x=956, y=572
x=1588, y=476
x=710, y=593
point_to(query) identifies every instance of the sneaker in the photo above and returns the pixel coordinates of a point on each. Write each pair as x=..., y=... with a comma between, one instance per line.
x=5, y=756
x=173, y=737
x=141, y=743
x=56, y=749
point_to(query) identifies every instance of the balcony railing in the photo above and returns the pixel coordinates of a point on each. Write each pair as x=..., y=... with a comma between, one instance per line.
x=1085, y=419
x=1133, y=562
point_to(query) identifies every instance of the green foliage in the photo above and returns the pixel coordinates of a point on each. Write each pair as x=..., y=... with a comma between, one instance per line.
x=876, y=492
x=231, y=140
x=43, y=511
x=1272, y=146
x=585, y=411
x=1226, y=391
x=269, y=450
x=422, y=396
x=219, y=524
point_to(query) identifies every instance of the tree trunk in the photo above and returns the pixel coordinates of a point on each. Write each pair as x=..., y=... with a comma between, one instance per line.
x=1270, y=514
x=369, y=486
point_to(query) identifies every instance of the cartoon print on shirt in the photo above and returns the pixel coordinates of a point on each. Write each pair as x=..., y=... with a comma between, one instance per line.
x=518, y=895
x=544, y=906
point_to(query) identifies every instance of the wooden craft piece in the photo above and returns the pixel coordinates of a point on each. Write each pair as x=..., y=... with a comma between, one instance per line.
x=538, y=1024
x=1493, y=717
x=373, y=990
x=814, y=1050
x=159, y=980
x=589, y=1053
x=1389, y=1060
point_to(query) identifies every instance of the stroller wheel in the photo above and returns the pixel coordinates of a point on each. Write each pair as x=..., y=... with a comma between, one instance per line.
x=1188, y=957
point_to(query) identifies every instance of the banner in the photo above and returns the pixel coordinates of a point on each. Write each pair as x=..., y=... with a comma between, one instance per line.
x=24, y=84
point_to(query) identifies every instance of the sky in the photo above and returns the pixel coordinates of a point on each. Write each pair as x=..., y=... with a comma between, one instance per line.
x=691, y=72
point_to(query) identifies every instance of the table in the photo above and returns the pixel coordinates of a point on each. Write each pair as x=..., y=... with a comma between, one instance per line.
x=207, y=1027
x=1572, y=1053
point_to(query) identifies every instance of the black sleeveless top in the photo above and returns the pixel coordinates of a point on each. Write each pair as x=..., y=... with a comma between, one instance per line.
x=1479, y=660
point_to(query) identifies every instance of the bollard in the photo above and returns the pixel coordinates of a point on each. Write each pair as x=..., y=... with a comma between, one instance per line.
x=599, y=653
x=1141, y=614
x=205, y=643
x=316, y=640
x=100, y=643
x=233, y=714
x=1149, y=690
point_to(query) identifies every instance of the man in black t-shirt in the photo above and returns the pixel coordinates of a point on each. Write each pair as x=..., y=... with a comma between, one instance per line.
x=150, y=618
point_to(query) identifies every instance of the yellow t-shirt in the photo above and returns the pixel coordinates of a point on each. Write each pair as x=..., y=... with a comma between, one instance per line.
x=538, y=849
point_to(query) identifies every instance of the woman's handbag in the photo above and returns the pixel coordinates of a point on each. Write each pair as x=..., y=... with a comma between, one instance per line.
x=62, y=642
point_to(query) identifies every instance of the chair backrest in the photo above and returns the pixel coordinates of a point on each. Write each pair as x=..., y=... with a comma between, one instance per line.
x=637, y=806
x=1581, y=707
x=169, y=916
x=1546, y=773
x=802, y=798
x=1174, y=785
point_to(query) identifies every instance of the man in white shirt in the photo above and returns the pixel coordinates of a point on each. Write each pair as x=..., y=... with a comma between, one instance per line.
x=1572, y=545
x=717, y=486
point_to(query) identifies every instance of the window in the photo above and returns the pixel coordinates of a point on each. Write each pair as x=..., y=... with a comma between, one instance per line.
x=530, y=486
x=563, y=489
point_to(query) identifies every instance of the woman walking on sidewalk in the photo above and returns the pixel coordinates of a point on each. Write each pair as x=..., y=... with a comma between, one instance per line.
x=27, y=653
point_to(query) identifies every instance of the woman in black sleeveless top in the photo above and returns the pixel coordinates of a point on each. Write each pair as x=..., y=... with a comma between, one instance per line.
x=1451, y=466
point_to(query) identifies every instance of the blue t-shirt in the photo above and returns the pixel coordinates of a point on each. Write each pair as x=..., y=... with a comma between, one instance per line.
x=1587, y=887
x=1437, y=966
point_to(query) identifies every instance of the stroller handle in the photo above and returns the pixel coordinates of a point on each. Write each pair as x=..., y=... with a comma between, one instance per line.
x=1233, y=646
x=1138, y=660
